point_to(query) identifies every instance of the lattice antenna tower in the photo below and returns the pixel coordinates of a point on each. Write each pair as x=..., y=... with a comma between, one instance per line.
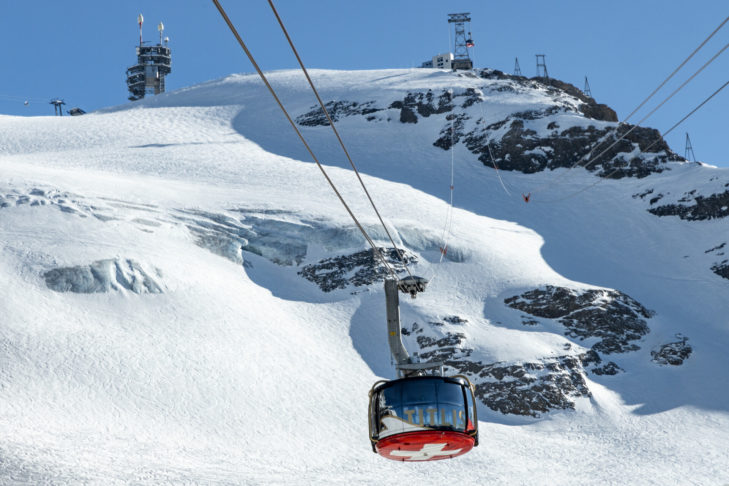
x=689, y=150
x=461, y=43
x=587, y=90
x=542, y=67
x=517, y=69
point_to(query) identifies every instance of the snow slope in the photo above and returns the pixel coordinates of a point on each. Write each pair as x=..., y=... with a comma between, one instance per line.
x=197, y=362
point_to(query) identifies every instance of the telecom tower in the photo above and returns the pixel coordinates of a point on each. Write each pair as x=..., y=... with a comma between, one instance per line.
x=541, y=63
x=153, y=64
x=461, y=59
x=689, y=150
x=587, y=90
x=517, y=69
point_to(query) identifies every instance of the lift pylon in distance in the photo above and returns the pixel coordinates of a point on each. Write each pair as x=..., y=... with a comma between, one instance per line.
x=422, y=415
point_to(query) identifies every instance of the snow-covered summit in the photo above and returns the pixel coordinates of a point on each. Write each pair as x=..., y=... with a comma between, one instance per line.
x=185, y=300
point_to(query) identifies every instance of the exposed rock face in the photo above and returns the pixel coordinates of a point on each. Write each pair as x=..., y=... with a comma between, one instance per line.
x=104, y=276
x=336, y=110
x=358, y=269
x=521, y=388
x=672, y=353
x=424, y=104
x=532, y=388
x=521, y=149
x=704, y=207
x=721, y=269
x=515, y=143
x=610, y=315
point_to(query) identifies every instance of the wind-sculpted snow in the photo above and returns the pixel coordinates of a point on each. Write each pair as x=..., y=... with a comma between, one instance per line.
x=613, y=317
x=105, y=276
x=65, y=201
x=279, y=236
x=245, y=370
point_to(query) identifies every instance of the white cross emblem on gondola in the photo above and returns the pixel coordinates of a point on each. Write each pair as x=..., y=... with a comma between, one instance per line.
x=427, y=452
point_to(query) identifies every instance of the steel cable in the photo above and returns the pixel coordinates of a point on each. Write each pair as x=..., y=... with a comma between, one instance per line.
x=336, y=133
x=375, y=249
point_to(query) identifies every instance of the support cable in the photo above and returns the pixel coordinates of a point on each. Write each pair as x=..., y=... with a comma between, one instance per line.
x=659, y=138
x=303, y=140
x=493, y=162
x=677, y=69
x=688, y=115
x=665, y=100
x=488, y=146
x=336, y=133
x=545, y=185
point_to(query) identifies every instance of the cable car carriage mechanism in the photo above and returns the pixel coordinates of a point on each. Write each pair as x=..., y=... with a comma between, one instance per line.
x=422, y=415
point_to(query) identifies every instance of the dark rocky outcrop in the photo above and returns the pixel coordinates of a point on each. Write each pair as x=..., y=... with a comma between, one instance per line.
x=674, y=353
x=613, y=317
x=423, y=104
x=358, y=269
x=520, y=149
x=520, y=388
x=336, y=109
x=532, y=388
x=721, y=269
x=714, y=206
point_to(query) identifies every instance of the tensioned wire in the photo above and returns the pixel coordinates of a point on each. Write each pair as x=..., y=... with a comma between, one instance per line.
x=545, y=185
x=660, y=137
x=232, y=28
x=339, y=138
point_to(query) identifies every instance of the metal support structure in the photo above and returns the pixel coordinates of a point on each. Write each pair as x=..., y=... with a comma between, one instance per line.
x=403, y=363
x=517, y=69
x=689, y=150
x=461, y=58
x=587, y=90
x=394, y=331
x=153, y=64
x=58, y=106
x=541, y=63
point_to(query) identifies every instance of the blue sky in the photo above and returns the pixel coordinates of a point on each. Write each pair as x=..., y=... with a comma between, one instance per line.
x=79, y=50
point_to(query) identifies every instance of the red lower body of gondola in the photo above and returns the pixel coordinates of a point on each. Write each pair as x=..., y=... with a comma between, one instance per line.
x=424, y=445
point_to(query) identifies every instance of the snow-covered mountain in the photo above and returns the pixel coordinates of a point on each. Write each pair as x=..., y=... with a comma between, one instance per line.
x=184, y=300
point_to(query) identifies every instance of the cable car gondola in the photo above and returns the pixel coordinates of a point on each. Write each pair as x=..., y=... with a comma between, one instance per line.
x=419, y=416
x=423, y=418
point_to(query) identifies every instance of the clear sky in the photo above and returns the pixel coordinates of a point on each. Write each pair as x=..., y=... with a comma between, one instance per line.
x=79, y=50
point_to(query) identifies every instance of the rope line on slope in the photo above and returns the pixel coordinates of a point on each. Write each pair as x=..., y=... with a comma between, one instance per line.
x=448, y=222
x=493, y=162
x=367, y=237
x=336, y=133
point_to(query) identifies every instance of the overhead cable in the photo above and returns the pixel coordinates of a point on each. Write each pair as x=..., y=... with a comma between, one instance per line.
x=659, y=138
x=336, y=133
x=232, y=28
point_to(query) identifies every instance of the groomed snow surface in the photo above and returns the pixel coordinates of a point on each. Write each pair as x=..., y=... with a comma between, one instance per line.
x=181, y=361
